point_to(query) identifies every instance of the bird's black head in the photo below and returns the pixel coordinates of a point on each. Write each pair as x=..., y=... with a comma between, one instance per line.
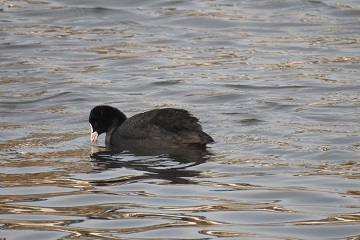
x=103, y=118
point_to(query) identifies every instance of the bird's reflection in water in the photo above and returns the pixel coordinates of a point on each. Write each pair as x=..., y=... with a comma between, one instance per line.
x=171, y=165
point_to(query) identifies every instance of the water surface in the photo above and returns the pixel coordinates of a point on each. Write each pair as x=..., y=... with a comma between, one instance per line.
x=275, y=83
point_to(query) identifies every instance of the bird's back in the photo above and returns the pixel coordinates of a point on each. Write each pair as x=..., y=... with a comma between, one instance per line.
x=168, y=127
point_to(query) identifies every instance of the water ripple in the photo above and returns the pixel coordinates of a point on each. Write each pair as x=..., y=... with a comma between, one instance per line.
x=274, y=82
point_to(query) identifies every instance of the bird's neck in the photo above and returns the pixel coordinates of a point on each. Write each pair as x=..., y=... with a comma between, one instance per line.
x=110, y=130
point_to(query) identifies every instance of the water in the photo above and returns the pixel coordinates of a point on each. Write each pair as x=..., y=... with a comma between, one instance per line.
x=275, y=83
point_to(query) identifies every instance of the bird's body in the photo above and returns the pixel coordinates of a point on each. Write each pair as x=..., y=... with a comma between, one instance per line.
x=159, y=128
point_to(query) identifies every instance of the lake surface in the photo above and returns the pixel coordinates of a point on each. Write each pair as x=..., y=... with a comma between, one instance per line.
x=275, y=83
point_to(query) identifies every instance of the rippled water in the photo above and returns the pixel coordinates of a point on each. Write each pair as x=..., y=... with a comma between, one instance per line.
x=276, y=83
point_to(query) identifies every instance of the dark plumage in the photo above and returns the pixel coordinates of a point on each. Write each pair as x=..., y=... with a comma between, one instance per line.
x=159, y=128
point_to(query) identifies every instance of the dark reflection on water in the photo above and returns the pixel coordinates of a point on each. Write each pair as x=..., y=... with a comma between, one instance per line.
x=170, y=166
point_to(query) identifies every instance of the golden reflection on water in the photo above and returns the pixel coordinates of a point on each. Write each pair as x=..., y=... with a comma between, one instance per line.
x=101, y=212
x=336, y=219
x=218, y=233
x=182, y=216
x=38, y=140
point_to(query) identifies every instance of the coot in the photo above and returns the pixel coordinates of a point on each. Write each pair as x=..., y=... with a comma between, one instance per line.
x=158, y=129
